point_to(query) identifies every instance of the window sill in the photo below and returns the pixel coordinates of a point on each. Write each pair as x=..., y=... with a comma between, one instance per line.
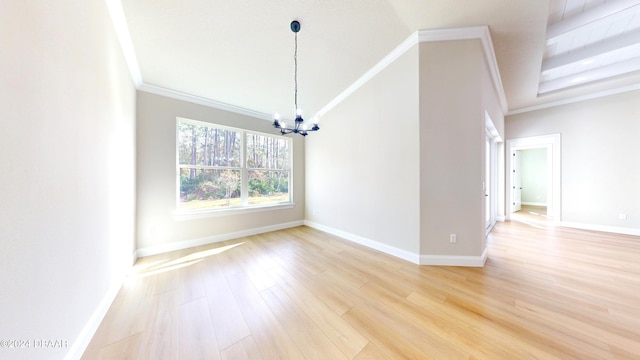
x=179, y=215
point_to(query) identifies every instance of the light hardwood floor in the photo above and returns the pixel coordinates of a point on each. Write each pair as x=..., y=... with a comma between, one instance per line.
x=530, y=214
x=545, y=293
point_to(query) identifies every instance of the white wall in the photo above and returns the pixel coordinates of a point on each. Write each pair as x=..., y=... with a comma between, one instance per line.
x=400, y=163
x=534, y=176
x=157, y=227
x=362, y=173
x=452, y=144
x=67, y=134
x=600, y=157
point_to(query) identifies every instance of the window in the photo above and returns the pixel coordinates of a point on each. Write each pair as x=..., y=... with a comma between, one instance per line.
x=221, y=167
x=267, y=168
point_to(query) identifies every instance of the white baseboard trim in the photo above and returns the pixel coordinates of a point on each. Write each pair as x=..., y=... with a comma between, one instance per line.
x=603, y=228
x=501, y=218
x=84, y=338
x=440, y=260
x=185, y=244
x=534, y=203
x=454, y=260
x=387, y=249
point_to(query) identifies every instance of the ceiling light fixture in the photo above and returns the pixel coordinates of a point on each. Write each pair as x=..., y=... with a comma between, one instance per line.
x=299, y=126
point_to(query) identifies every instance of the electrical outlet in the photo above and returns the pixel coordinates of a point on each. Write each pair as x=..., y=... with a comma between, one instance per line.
x=622, y=216
x=452, y=238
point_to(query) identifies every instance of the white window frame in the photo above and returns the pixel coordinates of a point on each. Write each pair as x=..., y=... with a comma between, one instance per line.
x=182, y=214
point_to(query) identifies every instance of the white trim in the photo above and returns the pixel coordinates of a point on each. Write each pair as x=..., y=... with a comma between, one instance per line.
x=454, y=260
x=387, y=249
x=381, y=65
x=179, y=215
x=86, y=334
x=440, y=260
x=467, y=33
x=576, y=99
x=124, y=37
x=564, y=28
x=244, y=207
x=194, y=99
x=493, y=137
x=603, y=228
x=552, y=143
x=185, y=244
x=589, y=76
x=592, y=50
x=475, y=32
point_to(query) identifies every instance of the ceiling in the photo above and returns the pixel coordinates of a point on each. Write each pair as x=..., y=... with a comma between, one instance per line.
x=240, y=52
x=588, y=41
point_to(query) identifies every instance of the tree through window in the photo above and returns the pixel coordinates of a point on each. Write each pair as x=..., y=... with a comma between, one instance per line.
x=223, y=167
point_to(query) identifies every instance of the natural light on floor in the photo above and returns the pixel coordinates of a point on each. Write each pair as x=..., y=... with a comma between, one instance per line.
x=144, y=270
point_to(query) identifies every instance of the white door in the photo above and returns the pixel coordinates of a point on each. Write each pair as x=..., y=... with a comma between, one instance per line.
x=517, y=180
x=487, y=182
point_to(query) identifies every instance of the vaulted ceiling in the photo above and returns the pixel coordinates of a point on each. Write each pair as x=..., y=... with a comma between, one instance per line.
x=240, y=52
x=588, y=41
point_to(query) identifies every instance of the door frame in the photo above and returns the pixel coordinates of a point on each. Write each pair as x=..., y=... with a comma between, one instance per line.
x=516, y=180
x=488, y=182
x=495, y=187
x=552, y=143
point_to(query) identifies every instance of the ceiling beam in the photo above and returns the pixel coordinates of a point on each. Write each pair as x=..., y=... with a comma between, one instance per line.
x=557, y=30
x=592, y=51
x=571, y=100
x=584, y=77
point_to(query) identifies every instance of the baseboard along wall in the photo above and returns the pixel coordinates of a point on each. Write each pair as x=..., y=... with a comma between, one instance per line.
x=85, y=336
x=436, y=260
x=185, y=244
x=602, y=228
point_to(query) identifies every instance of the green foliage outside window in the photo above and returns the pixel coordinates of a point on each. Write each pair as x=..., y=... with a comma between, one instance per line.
x=210, y=161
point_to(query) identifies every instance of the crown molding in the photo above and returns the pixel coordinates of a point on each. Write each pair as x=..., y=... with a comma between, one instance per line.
x=575, y=99
x=381, y=65
x=475, y=32
x=178, y=95
x=468, y=33
x=124, y=38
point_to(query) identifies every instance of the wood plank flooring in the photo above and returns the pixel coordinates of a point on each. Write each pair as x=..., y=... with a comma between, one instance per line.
x=545, y=293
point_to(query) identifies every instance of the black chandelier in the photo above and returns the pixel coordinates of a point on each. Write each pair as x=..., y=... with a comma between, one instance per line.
x=299, y=127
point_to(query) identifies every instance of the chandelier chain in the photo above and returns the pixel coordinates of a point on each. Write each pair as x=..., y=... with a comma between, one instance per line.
x=299, y=126
x=295, y=75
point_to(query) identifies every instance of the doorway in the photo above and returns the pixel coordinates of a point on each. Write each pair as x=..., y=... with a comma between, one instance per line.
x=487, y=184
x=492, y=185
x=536, y=161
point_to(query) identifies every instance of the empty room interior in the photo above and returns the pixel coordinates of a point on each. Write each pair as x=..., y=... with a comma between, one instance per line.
x=384, y=179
